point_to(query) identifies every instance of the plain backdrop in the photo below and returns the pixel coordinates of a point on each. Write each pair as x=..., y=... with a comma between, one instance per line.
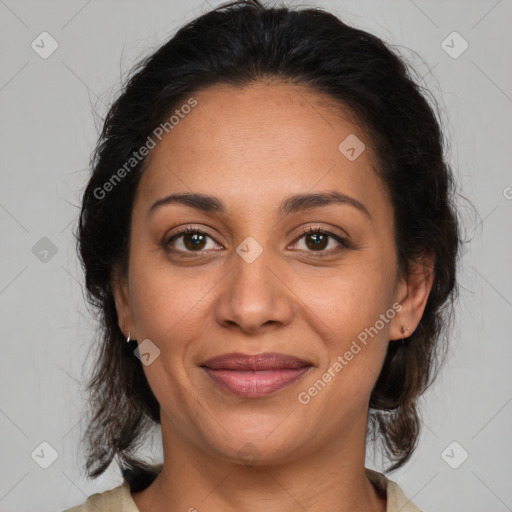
x=49, y=125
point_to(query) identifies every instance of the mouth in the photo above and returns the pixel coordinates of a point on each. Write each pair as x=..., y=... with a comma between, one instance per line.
x=257, y=375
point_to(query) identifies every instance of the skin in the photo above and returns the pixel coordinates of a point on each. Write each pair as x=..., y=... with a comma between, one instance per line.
x=252, y=148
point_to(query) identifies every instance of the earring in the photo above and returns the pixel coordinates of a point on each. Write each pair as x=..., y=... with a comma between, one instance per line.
x=404, y=329
x=128, y=339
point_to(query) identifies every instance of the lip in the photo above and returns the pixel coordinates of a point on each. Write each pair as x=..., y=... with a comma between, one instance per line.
x=255, y=375
x=255, y=362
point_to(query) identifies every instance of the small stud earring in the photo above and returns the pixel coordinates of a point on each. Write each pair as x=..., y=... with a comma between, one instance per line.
x=404, y=329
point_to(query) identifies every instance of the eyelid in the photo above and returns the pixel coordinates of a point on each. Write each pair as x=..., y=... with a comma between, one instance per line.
x=342, y=240
x=183, y=230
x=321, y=229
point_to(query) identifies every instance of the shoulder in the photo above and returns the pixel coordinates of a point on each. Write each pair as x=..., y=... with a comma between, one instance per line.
x=117, y=499
x=396, y=499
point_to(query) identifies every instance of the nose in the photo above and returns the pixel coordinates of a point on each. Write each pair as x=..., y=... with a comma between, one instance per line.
x=253, y=295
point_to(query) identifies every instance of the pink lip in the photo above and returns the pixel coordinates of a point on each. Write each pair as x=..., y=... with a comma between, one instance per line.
x=255, y=375
x=264, y=361
x=253, y=384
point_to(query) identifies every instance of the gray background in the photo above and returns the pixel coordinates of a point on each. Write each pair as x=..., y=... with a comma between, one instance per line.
x=47, y=133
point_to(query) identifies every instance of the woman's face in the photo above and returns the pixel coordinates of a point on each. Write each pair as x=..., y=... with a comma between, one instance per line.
x=249, y=280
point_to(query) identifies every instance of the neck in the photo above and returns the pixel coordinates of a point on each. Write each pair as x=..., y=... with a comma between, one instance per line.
x=330, y=478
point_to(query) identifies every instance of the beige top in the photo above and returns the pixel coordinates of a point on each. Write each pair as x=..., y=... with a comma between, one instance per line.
x=119, y=499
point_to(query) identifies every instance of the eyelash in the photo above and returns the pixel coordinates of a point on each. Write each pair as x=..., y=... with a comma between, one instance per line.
x=310, y=231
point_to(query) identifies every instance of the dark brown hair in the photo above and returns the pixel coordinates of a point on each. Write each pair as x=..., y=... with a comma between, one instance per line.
x=237, y=44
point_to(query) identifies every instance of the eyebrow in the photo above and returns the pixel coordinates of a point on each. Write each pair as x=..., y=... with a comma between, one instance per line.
x=292, y=204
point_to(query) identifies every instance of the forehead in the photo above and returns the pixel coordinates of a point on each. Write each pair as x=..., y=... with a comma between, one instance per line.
x=259, y=143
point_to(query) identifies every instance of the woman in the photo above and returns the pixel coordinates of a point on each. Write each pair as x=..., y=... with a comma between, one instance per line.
x=269, y=225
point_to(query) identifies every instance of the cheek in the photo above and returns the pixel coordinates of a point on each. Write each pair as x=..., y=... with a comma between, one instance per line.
x=346, y=313
x=164, y=302
x=349, y=299
x=355, y=340
x=165, y=310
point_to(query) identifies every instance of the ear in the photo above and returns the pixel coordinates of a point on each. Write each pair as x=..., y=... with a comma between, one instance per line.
x=412, y=293
x=121, y=293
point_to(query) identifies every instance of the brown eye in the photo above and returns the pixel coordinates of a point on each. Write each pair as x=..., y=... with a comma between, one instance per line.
x=188, y=241
x=317, y=241
x=194, y=241
x=321, y=241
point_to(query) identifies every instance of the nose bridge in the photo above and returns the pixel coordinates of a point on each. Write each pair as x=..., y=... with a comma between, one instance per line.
x=253, y=294
x=251, y=266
